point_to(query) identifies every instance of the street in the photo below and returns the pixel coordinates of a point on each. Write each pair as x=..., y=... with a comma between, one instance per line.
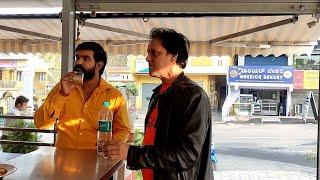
x=265, y=151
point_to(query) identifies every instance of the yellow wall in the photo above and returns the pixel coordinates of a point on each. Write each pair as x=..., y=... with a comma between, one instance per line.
x=6, y=75
x=139, y=80
x=311, y=79
x=40, y=89
x=145, y=78
x=201, y=78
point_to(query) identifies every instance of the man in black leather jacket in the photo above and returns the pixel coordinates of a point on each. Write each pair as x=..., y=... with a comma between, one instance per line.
x=178, y=123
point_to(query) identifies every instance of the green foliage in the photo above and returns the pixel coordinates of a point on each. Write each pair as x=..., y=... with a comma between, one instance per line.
x=20, y=136
x=311, y=156
x=138, y=137
x=54, y=64
x=138, y=142
x=139, y=175
x=132, y=89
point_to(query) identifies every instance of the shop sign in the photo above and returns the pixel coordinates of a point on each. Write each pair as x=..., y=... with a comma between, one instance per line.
x=298, y=79
x=261, y=74
x=306, y=79
x=311, y=79
x=201, y=61
x=8, y=63
x=142, y=65
x=119, y=77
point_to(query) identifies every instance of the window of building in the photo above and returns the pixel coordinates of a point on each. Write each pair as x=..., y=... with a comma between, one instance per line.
x=298, y=108
x=307, y=62
x=19, y=75
x=42, y=77
x=11, y=72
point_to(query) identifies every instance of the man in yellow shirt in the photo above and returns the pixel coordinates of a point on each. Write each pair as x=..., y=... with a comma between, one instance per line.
x=75, y=107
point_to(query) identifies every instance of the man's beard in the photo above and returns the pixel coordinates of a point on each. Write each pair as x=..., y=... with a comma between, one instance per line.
x=87, y=74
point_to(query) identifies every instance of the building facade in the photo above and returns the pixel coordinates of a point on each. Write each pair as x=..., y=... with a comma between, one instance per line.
x=22, y=75
x=305, y=80
x=272, y=86
x=259, y=86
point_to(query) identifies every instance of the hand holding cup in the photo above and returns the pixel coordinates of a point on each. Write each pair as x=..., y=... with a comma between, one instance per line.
x=70, y=80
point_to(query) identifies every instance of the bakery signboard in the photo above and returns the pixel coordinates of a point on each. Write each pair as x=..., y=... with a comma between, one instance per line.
x=261, y=74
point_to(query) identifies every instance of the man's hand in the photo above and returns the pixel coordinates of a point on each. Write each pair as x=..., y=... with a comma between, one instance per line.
x=116, y=151
x=67, y=83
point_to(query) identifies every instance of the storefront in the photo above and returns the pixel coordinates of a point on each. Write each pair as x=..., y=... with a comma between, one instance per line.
x=259, y=90
x=304, y=81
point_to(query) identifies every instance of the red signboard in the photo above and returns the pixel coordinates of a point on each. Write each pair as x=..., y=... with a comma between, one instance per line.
x=298, y=79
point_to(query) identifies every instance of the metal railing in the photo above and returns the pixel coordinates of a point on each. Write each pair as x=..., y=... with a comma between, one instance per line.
x=8, y=83
x=35, y=130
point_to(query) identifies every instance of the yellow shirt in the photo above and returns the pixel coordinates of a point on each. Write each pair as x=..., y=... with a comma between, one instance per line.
x=77, y=123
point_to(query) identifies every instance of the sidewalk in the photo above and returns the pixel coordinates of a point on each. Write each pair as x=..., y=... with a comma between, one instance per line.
x=267, y=119
x=262, y=175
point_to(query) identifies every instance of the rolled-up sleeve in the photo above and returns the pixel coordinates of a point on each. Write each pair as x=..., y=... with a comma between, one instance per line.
x=49, y=111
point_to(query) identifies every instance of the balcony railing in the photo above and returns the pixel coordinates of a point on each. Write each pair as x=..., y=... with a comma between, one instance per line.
x=35, y=130
x=8, y=83
x=39, y=91
x=116, y=170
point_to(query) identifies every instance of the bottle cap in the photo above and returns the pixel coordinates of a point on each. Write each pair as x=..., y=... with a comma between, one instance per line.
x=106, y=104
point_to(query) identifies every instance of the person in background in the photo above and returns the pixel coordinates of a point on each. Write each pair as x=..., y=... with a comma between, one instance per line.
x=20, y=106
x=75, y=107
x=177, y=136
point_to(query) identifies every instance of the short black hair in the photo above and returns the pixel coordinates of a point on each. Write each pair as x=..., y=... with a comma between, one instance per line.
x=98, y=52
x=175, y=43
x=20, y=100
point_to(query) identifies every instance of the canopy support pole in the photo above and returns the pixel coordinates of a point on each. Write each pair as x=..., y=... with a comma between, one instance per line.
x=68, y=36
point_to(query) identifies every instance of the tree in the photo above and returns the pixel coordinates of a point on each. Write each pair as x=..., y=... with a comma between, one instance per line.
x=54, y=64
x=20, y=136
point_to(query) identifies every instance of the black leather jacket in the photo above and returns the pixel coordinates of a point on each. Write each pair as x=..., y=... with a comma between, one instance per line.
x=183, y=137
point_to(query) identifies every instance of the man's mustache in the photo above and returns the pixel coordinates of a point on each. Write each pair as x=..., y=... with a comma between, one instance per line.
x=78, y=67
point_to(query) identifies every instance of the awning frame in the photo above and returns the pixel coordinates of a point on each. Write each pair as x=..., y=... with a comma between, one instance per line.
x=255, y=29
x=200, y=6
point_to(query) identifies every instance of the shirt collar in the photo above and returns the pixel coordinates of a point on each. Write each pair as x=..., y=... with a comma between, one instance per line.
x=174, y=83
x=103, y=85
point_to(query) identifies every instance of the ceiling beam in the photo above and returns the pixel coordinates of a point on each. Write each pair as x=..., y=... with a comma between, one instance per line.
x=271, y=43
x=37, y=41
x=126, y=42
x=112, y=29
x=29, y=16
x=264, y=45
x=253, y=30
x=202, y=6
x=30, y=33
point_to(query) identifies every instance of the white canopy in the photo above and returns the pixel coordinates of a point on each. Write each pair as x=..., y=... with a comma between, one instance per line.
x=292, y=38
